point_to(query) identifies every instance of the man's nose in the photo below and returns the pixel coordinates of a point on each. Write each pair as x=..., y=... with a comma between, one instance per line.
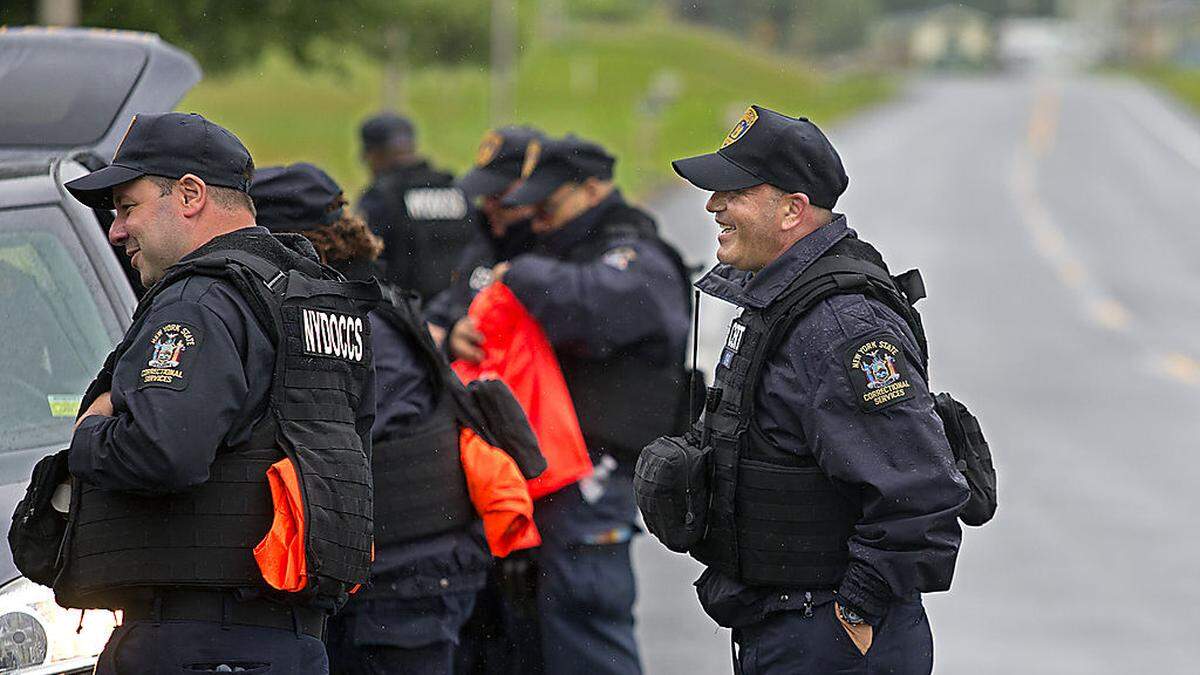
x=117, y=234
x=715, y=203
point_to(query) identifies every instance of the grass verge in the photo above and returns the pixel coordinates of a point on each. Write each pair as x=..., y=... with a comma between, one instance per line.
x=595, y=84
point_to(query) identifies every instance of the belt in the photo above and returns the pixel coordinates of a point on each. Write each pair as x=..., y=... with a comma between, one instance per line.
x=223, y=607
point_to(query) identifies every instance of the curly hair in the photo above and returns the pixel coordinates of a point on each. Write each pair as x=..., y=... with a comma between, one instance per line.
x=346, y=238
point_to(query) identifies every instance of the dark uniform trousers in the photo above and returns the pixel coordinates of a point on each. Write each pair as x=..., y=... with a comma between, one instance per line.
x=398, y=635
x=586, y=588
x=165, y=647
x=794, y=643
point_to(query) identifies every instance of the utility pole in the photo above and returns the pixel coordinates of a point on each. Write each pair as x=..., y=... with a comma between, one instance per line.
x=504, y=50
x=395, y=67
x=58, y=12
x=552, y=19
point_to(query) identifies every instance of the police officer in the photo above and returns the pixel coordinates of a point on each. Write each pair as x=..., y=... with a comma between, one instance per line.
x=201, y=419
x=502, y=635
x=835, y=494
x=424, y=220
x=612, y=298
x=430, y=559
x=503, y=233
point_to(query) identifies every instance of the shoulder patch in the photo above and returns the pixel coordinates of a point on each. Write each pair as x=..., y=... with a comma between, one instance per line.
x=171, y=354
x=619, y=257
x=879, y=372
x=435, y=204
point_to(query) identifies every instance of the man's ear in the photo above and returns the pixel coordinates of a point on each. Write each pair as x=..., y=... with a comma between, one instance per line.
x=194, y=194
x=794, y=205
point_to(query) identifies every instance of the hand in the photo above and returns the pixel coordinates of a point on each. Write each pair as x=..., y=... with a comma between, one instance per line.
x=500, y=270
x=437, y=333
x=466, y=342
x=101, y=406
x=860, y=634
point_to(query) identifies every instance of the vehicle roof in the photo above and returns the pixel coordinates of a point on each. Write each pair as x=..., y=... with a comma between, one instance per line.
x=101, y=78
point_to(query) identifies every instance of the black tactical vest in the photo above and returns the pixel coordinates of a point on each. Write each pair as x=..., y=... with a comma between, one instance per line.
x=420, y=488
x=433, y=223
x=774, y=517
x=625, y=400
x=117, y=542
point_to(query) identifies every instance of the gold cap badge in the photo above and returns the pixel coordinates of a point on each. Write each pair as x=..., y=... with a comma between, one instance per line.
x=743, y=125
x=533, y=152
x=488, y=147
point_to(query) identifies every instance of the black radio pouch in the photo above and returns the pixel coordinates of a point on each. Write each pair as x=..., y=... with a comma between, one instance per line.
x=973, y=458
x=670, y=482
x=37, y=528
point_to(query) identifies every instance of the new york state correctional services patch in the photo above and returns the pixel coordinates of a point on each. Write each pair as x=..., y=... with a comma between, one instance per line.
x=879, y=372
x=170, y=346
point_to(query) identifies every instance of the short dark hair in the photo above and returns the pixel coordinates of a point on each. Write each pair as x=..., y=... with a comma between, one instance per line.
x=227, y=198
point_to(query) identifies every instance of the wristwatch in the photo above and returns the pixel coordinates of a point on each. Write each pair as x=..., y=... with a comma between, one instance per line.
x=850, y=616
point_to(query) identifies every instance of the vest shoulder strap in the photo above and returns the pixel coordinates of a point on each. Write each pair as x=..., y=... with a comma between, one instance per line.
x=401, y=311
x=839, y=275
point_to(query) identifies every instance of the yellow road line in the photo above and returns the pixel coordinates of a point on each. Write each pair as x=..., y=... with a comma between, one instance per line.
x=1043, y=122
x=1181, y=367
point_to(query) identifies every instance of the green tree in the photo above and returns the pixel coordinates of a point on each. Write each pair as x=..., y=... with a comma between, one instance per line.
x=226, y=34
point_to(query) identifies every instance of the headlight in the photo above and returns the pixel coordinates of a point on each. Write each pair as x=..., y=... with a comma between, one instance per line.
x=38, y=637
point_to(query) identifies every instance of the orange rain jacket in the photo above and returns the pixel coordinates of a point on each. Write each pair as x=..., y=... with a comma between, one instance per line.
x=518, y=353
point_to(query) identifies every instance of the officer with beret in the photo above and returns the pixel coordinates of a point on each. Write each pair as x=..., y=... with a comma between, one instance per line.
x=425, y=221
x=425, y=574
x=613, y=300
x=503, y=233
x=834, y=493
x=196, y=437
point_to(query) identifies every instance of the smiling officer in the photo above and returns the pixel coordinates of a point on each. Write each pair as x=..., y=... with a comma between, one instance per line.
x=834, y=492
x=221, y=470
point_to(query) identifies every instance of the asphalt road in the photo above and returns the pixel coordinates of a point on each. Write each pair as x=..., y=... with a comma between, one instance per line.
x=1054, y=218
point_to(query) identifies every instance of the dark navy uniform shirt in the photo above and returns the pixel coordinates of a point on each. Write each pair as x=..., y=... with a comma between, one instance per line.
x=473, y=272
x=630, y=295
x=895, y=463
x=164, y=435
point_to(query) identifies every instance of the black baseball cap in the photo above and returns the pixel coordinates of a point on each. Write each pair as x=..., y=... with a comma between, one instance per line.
x=169, y=145
x=553, y=162
x=499, y=160
x=383, y=129
x=764, y=146
x=294, y=198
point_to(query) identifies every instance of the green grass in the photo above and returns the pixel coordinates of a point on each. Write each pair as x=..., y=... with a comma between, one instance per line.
x=590, y=84
x=1184, y=83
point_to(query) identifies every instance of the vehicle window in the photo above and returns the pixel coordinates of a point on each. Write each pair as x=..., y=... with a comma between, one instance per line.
x=56, y=327
x=52, y=98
